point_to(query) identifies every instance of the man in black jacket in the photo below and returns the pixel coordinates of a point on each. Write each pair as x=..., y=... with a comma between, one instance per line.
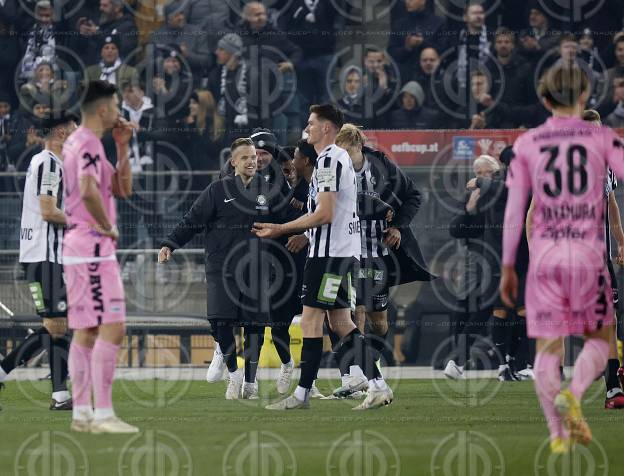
x=378, y=177
x=481, y=222
x=237, y=295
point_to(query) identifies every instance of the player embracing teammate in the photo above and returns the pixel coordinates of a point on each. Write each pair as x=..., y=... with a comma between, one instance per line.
x=564, y=164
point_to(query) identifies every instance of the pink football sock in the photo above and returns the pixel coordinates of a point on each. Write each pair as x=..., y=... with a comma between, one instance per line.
x=547, y=386
x=590, y=363
x=79, y=364
x=103, y=366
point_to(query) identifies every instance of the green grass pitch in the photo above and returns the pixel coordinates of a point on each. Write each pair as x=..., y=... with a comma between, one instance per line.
x=480, y=428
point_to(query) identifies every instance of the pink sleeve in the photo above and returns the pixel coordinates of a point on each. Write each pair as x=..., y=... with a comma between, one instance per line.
x=519, y=184
x=90, y=160
x=614, y=152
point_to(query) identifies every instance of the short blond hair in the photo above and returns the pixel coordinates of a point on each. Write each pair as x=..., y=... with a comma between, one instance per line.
x=487, y=160
x=350, y=135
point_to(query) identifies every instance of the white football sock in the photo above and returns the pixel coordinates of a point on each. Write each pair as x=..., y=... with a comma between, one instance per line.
x=61, y=396
x=301, y=393
x=355, y=371
x=377, y=384
x=82, y=412
x=102, y=413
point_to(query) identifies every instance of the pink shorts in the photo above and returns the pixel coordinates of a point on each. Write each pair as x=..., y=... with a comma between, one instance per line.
x=568, y=292
x=95, y=294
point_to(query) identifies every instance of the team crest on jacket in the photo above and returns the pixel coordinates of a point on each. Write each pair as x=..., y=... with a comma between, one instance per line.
x=261, y=199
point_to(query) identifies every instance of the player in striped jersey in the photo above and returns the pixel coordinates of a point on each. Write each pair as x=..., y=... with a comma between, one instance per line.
x=41, y=238
x=378, y=178
x=334, y=234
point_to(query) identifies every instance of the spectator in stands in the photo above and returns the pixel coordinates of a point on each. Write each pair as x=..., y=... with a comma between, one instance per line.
x=314, y=23
x=515, y=76
x=204, y=130
x=43, y=85
x=171, y=91
x=412, y=114
x=473, y=42
x=411, y=33
x=609, y=103
x=138, y=108
x=210, y=15
x=568, y=48
x=8, y=126
x=351, y=101
x=488, y=115
x=428, y=68
x=111, y=68
x=616, y=118
x=26, y=141
x=112, y=20
x=40, y=41
x=540, y=38
x=380, y=88
x=592, y=63
x=9, y=58
x=229, y=83
x=191, y=40
x=271, y=50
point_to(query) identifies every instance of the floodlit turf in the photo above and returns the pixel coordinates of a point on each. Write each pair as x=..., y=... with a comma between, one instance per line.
x=483, y=429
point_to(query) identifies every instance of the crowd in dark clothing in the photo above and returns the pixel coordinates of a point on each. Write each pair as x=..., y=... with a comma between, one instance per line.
x=253, y=65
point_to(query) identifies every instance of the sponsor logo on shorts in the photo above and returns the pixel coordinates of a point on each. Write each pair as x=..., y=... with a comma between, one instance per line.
x=328, y=290
x=96, y=287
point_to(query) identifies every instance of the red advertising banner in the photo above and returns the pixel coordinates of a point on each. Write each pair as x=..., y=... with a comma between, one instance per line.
x=428, y=147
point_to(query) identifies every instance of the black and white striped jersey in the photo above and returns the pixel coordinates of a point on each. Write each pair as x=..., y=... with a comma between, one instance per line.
x=40, y=240
x=340, y=238
x=371, y=230
x=610, y=186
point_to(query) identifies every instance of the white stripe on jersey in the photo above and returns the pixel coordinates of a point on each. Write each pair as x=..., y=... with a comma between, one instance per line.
x=40, y=240
x=341, y=238
x=372, y=230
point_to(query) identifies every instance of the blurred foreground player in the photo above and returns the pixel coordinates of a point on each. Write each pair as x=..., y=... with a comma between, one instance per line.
x=564, y=164
x=97, y=307
x=41, y=240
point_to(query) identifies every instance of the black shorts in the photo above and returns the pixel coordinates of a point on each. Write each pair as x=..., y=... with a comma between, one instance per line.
x=372, y=284
x=47, y=287
x=328, y=283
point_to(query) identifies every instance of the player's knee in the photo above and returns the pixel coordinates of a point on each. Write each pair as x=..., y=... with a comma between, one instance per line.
x=379, y=322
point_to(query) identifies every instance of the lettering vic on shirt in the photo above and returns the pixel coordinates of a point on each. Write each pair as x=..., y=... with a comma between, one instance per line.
x=84, y=156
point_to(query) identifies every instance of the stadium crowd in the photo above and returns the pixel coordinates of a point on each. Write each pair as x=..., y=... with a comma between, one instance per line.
x=199, y=73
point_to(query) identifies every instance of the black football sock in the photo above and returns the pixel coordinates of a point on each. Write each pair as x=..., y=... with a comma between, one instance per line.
x=378, y=343
x=499, y=330
x=363, y=355
x=311, y=354
x=21, y=354
x=343, y=359
x=611, y=376
x=227, y=343
x=57, y=355
x=254, y=338
x=281, y=340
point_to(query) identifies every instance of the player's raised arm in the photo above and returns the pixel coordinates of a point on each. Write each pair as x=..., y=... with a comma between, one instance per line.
x=122, y=179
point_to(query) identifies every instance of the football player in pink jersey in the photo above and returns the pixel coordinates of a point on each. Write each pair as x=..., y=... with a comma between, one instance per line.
x=95, y=292
x=564, y=164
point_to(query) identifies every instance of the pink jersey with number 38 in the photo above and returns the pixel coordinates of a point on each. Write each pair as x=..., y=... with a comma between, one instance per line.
x=564, y=163
x=83, y=155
